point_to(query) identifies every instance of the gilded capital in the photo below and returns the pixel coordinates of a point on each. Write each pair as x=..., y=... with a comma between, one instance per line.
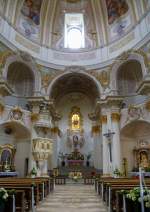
x=96, y=129
x=104, y=119
x=115, y=117
x=148, y=106
x=34, y=117
x=2, y=107
x=55, y=130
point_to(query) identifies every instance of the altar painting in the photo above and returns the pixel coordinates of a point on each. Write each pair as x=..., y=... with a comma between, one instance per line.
x=30, y=18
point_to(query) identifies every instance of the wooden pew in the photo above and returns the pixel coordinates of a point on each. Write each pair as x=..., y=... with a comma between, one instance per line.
x=110, y=190
x=35, y=189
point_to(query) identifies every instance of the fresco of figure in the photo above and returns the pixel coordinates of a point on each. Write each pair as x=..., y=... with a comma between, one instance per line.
x=30, y=18
x=31, y=9
x=115, y=9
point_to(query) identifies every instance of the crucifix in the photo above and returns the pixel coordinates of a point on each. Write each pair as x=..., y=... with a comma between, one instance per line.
x=109, y=137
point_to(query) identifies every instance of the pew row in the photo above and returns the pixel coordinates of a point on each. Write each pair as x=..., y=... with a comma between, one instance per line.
x=109, y=190
x=29, y=190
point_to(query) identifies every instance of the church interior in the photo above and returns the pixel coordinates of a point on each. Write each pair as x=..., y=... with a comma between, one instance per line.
x=75, y=105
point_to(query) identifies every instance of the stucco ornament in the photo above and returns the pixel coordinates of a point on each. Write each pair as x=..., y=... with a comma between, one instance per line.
x=134, y=113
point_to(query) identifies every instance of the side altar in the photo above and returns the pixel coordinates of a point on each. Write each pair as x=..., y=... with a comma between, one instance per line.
x=7, y=167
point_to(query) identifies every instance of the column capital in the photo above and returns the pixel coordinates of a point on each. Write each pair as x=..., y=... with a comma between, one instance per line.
x=115, y=116
x=96, y=129
x=103, y=119
x=147, y=105
x=56, y=131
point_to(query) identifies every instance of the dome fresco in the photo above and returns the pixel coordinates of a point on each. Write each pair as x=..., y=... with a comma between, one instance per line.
x=61, y=33
x=104, y=20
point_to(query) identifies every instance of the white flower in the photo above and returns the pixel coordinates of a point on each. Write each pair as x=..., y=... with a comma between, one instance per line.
x=5, y=196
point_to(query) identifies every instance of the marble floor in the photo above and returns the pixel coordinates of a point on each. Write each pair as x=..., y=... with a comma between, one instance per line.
x=72, y=198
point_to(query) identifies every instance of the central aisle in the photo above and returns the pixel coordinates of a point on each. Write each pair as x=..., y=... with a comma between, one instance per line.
x=73, y=198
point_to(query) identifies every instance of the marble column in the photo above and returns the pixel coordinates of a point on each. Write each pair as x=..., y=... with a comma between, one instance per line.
x=116, y=147
x=106, y=158
x=55, y=135
x=96, y=133
x=96, y=136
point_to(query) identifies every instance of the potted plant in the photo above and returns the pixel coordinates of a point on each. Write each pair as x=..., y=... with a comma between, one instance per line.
x=33, y=172
x=3, y=198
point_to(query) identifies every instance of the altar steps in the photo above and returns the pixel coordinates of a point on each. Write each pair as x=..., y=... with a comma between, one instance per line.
x=73, y=198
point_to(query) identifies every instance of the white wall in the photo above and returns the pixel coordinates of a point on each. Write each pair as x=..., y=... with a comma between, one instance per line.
x=23, y=151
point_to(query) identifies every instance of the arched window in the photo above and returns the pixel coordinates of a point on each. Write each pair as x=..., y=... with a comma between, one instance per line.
x=74, y=38
x=74, y=31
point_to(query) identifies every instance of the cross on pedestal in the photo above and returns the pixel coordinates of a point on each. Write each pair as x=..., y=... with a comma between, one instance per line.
x=109, y=137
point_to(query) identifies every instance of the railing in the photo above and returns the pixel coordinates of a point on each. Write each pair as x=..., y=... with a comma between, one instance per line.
x=60, y=180
x=89, y=180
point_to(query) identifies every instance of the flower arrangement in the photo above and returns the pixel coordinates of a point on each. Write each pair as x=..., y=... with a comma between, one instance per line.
x=3, y=195
x=117, y=173
x=134, y=195
x=33, y=172
x=75, y=176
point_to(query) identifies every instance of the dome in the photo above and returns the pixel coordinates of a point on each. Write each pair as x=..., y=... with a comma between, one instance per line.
x=101, y=28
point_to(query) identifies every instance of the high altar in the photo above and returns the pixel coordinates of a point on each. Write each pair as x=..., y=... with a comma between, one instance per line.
x=75, y=159
x=75, y=138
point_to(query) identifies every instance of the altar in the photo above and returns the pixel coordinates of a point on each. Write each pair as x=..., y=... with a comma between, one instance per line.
x=75, y=163
x=75, y=159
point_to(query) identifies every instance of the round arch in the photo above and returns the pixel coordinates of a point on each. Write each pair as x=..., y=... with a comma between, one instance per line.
x=78, y=74
x=26, y=60
x=134, y=136
x=124, y=58
x=135, y=129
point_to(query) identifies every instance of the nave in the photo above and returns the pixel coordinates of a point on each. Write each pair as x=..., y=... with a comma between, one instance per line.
x=72, y=198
